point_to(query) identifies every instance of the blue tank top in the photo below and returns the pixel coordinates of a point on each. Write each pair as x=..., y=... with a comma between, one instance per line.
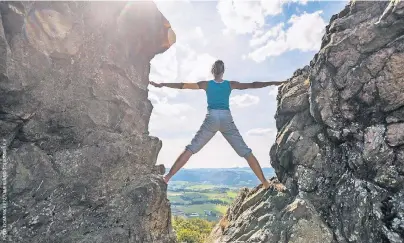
x=218, y=95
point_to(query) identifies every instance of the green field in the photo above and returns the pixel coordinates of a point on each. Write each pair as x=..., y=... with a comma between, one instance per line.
x=232, y=194
x=201, y=186
x=207, y=192
x=191, y=197
x=201, y=200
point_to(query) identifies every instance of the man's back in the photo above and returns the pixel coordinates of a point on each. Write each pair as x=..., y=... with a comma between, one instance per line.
x=218, y=94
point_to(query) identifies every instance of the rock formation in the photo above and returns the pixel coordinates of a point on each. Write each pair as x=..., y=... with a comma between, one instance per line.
x=339, y=151
x=74, y=115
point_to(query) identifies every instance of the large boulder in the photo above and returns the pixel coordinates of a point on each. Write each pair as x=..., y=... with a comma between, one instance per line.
x=74, y=114
x=339, y=150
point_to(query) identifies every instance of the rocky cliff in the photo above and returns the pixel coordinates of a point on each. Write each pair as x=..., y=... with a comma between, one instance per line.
x=339, y=151
x=74, y=117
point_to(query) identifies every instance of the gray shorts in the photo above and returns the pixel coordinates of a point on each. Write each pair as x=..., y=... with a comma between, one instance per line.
x=219, y=120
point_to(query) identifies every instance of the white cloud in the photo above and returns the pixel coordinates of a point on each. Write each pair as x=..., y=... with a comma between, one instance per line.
x=306, y=31
x=173, y=118
x=244, y=100
x=154, y=98
x=164, y=67
x=260, y=37
x=167, y=109
x=196, y=66
x=196, y=35
x=162, y=92
x=301, y=1
x=243, y=16
x=272, y=48
x=272, y=7
x=260, y=131
x=198, y=32
x=304, y=34
x=273, y=91
x=260, y=141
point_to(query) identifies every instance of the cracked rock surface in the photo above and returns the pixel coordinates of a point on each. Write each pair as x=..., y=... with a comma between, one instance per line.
x=74, y=116
x=339, y=150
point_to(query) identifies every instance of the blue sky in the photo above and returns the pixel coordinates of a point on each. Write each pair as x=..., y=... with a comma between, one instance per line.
x=258, y=41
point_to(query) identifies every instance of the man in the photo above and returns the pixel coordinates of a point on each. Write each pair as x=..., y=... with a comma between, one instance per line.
x=218, y=118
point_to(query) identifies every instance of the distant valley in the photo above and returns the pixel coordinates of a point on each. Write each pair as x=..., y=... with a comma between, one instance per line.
x=206, y=193
x=238, y=177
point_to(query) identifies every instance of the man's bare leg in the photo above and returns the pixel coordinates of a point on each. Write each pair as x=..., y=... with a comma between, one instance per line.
x=179, y=163
x=255, y=166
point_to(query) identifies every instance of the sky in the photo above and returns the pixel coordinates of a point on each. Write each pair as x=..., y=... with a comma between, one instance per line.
x=263, y=40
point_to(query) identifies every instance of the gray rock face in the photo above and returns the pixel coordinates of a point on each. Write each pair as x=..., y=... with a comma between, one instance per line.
x=271, y=216
x=74, y=113
x=339, y=150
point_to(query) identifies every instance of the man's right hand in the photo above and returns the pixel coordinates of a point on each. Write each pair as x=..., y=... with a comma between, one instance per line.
x=156, y=84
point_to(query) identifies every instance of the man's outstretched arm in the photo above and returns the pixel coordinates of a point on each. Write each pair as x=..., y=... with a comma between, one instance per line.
x=253, y=85
x=197, y=85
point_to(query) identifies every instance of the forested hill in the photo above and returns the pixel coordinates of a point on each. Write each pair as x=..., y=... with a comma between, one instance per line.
x=222, y=176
